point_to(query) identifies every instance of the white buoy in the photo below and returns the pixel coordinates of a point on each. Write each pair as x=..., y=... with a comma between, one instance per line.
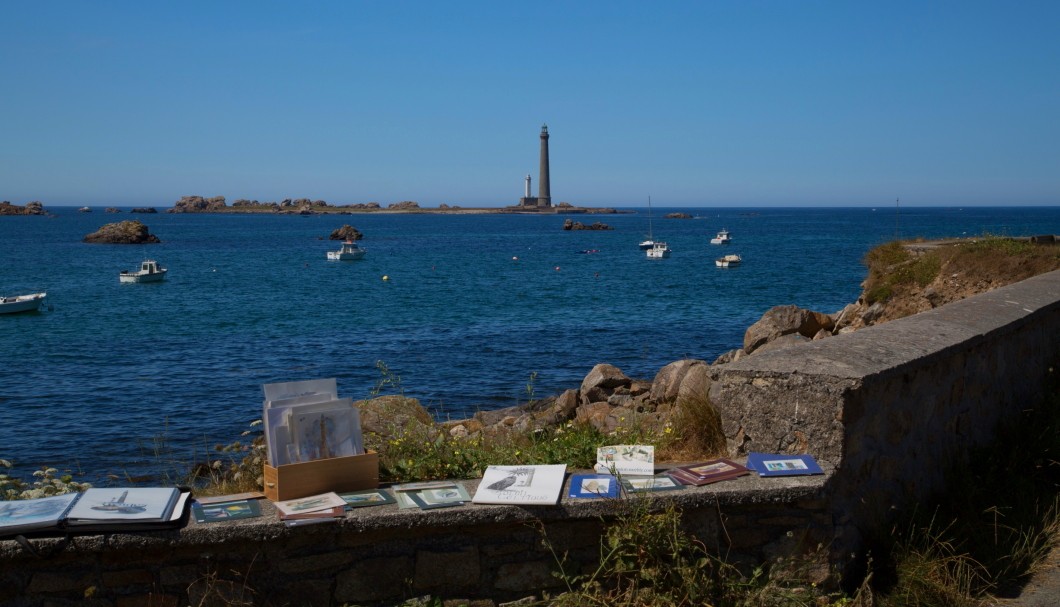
x=385, y=277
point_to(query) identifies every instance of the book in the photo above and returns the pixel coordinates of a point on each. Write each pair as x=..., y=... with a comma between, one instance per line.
x=708, y=472
x=213, y=512
x=626, y=459
x=593, y=486
x=97, y=509
x=313, y=503
x=775, y=464
x=367, y=497
x=430, y=495
x=527, y=485
x=642, y=484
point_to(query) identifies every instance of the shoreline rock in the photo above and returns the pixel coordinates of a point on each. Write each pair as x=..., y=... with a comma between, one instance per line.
x=35, y=207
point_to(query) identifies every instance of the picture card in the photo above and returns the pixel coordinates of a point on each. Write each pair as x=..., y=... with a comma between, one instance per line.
x=643, y=484
x=774, y=464
x=626, y=459
x=225, y=511
x=708, y=472
x=430, y=495
x=593, y=486
x=367, y=497
x=313, y=503
x=527, y=485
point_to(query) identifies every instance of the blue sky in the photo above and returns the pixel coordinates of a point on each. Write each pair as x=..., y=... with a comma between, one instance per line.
x=693, y=103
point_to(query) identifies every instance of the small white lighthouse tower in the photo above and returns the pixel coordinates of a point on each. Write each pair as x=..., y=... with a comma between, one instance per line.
x=527, y=195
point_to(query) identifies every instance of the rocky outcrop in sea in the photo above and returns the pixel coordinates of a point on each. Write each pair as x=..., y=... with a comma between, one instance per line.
x=570, y=224
x=198, y=204
x=144, y=210
x=123, y=232
x=31, y=208
x=346, y=232
x=114, y=210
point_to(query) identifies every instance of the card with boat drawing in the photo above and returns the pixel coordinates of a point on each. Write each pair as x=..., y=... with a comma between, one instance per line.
x=313, y=503
x=430, y=495
x=626, y=459
x=367, y=497
x=97, y=509
x=232, y=510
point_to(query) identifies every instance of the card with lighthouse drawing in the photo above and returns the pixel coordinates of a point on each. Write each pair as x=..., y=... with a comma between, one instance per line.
x=528, y=485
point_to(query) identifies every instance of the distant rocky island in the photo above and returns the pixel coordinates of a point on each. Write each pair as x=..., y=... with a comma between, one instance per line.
x=31, y=208
x=305, y=206
x=122, y=232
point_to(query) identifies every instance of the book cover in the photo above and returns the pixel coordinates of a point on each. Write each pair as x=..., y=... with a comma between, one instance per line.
x=775, y=464
x=642, y=484
x=133, y=504
x=367, y=497
x=637, y=460
x=225, y=511
x=527, y=485
x=593, y=486
x=708, y=472
x=430, y=495
x=24, y=516
x=313, y=503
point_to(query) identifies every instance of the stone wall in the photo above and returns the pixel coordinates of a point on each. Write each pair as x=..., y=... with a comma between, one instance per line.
x=884, y=409
x=382, y=555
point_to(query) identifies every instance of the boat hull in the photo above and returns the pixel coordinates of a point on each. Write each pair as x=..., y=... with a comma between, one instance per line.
x=21, y=303
x=337, y=256
x=130, y=277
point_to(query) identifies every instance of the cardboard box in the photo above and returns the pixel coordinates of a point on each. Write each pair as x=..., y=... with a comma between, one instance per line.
x=338, y=474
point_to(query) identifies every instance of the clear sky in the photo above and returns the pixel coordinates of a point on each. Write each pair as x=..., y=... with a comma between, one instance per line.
x=704, y=103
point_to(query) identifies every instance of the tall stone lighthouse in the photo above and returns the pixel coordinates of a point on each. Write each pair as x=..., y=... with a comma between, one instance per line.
x=544, y=196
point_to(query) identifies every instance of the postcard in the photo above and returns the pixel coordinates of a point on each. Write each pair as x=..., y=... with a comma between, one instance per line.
x=642, y=484
x=626, y=459
x=593, y=486
x=19, y=516
x=429, y=495
x=313, y=503
x=530, y=484
x=225, y=511
x=708, y=472
x=774, y=464
x=368, y=497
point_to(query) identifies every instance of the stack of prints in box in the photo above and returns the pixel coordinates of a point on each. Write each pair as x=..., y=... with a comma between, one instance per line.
x=306, y=421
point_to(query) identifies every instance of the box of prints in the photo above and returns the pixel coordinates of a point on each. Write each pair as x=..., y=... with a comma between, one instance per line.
x=338, y=474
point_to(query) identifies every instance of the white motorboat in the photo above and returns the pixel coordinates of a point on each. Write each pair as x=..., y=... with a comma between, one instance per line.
x=728, y=261
x=21, y=303
x=658, y=250
x=149, y=271
x=723, y=237
x=348, y=252
x=647, y=244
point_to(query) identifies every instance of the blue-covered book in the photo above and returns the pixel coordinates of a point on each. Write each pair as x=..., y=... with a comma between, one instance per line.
x=593, y=485
x=775, y=464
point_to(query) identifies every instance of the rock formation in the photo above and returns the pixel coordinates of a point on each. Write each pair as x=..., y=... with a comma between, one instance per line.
x=144, y=210
x=406, y=205
x=198, y=204
x=31, y=208
x=346, y=232
x=785, y=320
x=123, y=232
x=114, y=210
x=678, y=216
x=570, y=224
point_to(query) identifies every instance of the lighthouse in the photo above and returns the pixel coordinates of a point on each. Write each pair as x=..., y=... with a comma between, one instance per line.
x=543, y=200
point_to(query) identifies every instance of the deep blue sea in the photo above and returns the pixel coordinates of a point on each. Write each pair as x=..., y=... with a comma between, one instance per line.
x=475, y=305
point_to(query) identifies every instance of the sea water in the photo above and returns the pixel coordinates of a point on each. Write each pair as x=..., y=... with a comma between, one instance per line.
x=464, y=312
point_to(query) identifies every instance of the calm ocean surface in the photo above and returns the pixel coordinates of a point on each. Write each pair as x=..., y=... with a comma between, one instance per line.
x=473, y=306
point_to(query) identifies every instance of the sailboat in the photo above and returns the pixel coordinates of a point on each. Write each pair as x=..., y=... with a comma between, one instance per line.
x=654, y=249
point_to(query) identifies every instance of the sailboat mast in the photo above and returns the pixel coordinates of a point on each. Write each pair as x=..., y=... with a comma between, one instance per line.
x=650, y=236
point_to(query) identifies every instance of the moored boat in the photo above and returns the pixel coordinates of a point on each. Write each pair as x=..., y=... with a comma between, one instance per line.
x=723, y=237
x=728, y=261
x=348, y=252
x=21, y=303
x=149, y=271
x=658, y=250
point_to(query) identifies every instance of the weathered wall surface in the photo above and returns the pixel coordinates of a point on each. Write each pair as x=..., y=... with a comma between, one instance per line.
x=890, y=406
x=884, y=409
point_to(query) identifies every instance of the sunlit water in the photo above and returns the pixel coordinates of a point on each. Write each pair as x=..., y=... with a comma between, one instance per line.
x=474, y=305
